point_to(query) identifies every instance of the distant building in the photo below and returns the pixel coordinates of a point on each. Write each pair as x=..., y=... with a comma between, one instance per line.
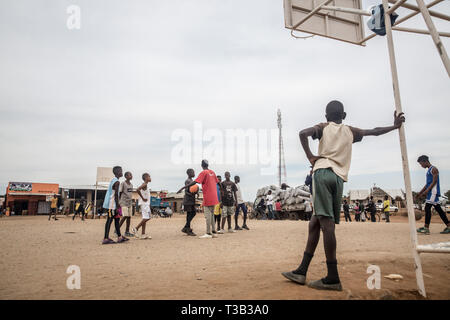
x=396, y=196
x=72, y=193
x=359, y=196
x=29, y=198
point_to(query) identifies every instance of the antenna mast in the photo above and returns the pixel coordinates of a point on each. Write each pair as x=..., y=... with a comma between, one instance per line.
x=281, y=163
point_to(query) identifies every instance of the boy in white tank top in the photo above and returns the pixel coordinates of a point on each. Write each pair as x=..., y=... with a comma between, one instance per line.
x=144, y=202
x=330, y=171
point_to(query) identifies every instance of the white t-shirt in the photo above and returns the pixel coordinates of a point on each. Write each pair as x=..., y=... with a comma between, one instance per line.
x=269, y=199
x=239, y=194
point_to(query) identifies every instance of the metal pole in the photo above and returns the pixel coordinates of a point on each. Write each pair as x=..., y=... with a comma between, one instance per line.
x=347, y=10
x=396, y=5
x=434, y=34
x=95, y=201
x=404, y=152
x=419, y=31
x=432, y=13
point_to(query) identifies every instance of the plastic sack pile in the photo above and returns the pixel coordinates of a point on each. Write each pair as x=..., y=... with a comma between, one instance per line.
x=292, y=199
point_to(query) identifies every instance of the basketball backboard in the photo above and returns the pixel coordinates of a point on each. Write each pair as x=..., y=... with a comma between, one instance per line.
x=104, y=175
x=343, y=26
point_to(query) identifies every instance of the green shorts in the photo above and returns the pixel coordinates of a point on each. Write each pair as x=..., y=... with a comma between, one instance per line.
x=327, y=194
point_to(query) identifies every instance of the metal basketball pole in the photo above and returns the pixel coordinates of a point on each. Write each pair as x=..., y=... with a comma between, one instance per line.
x=404, y=152
x=434, y=35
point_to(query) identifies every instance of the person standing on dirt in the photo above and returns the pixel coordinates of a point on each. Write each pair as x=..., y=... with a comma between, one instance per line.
x=362, y=211
x=208, y=179
x=357, y=212
x=240, y=206
x=269, y=203
x=126, y=202
x=229, y=203
x=278, y=210
x=53, y=207
x=144, y=194
x=79, y=209
x=189, y=204
x=346, y=208
x=386, y=208
x=330, y=168
x=112, y=206
x=432, y=190
x=372, y=209
x=218, y=207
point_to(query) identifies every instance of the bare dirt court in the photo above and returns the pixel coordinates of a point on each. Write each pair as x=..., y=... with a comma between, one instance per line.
x=246, y=265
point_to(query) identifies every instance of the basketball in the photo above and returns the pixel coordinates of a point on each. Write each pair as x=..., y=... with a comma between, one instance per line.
x=193, y=189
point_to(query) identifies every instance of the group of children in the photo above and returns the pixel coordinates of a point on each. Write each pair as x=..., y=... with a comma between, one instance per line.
x=118, y=204
x=221, y=200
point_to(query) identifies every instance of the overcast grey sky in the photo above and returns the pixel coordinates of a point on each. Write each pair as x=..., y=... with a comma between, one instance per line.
x=113, y=92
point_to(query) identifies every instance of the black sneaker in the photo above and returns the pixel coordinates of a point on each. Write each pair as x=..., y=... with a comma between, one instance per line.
x=185, y=230
x=245, y=227
x=190, y=233
x=237, y=228
x=318, y=284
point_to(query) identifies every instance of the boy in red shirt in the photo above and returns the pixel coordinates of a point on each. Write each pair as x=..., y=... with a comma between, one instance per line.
x=278, y=210
x=207, y=178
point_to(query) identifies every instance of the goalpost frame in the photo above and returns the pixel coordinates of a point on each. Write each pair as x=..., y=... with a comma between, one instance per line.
x=423, y=9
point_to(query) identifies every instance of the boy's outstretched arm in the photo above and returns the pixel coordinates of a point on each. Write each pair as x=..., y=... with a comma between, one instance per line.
x=398, y=120
x=304, y=134
x=187, y=186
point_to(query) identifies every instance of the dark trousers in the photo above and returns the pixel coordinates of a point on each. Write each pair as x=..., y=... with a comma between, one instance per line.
x=373, y=217
x=112, y=217
x=347, y=216
x=439, y=210
x=357, y=216
x=189, y=216
x=270, y=211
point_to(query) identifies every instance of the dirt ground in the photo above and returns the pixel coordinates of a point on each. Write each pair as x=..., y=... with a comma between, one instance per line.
x=35, y=254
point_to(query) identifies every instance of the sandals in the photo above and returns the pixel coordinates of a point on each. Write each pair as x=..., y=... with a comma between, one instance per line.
x=108, y=241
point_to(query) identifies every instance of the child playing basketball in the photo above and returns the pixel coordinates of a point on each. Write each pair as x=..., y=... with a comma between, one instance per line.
x=330, y=170
x=207, y=178
x=432, y=190
x=111, y=204
x=189, y=204
x=144, y=201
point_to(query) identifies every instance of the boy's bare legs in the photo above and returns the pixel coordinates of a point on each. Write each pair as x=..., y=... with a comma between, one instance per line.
x=313, y=240
x=229, y=222
x=329, y=242
x=141, y=224
x=299, y=275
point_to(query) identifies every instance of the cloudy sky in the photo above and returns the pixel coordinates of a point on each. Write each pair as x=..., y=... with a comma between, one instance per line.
x=115, y=91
